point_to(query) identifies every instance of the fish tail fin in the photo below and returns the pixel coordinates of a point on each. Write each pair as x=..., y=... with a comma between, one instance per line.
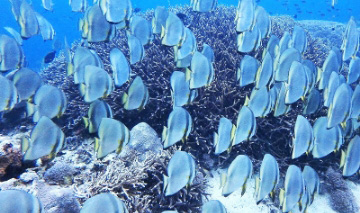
x=166, y=182
x=342, y=161
x=30, y=109
x=124, y=98
x=70, y=69
x=86, y=121
x=97, y=144
x=243, y=190
x=282, y=197
x=25, y=143
x=82, y=89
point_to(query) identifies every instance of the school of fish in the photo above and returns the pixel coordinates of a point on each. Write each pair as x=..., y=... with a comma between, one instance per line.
x=280, y=77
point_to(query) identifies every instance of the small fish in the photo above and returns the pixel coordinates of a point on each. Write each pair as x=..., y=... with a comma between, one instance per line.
x=180, y=89
x=97, y=84
x=297, y=83
x=203, y=5
x=15, y=34
x=173, y=33
x=208, y=52
x=11, y=54
x=247, y=71
x=268, y=179
x=97, y=111
x=354, y=70
x=213, y=206
x=284, y=42
x=120, y=67
x=326, y=140
x=201, y=72
x=9, y=201
x=46, y=139
x=312, y=102
x=137, y=96
x=280, y=107
x=49, y=101
x=259, y=102
x=294, y=188
x=223, y=139
x=78, y=5
x=355, y=100
x=249, y=41
x=159, y=19
x=340, y=108
x=179, y=126
x=304, y=137
x=137, y=9
x=188, y=47
x=50, y=57
x=113, y=135
x=28, y=21
x=245, y=125
x=141, y=28
x=8, y=94
x=265, y=72
x=180, y=172
x=350, y=159
x=285, y=62
x=245, y=15
x=350, y=44
x=27, y=82
x=116, y=11
x=137, y=52
x=312, y=182
x=263, y=22
x=95, y=27
x=331, y=63
x=329, y=92
x=104, y=202
x=45, y=28
x=237, y=175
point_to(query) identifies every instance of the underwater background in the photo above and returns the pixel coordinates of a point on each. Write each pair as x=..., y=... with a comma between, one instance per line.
x=65, y=22
x=182, y=157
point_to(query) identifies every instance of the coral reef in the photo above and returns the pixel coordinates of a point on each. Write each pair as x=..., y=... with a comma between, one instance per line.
x=342, y=199
x=137, y=177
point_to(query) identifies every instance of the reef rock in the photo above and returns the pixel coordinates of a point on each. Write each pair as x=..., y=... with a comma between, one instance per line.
x=60, y=173
x=143, y=138
x=56, y=199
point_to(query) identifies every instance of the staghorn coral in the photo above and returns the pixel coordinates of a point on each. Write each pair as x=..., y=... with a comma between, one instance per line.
x=138, y=183
x=222, y=98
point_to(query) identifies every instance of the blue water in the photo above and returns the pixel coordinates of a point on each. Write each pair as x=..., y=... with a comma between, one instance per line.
x=65, y=22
